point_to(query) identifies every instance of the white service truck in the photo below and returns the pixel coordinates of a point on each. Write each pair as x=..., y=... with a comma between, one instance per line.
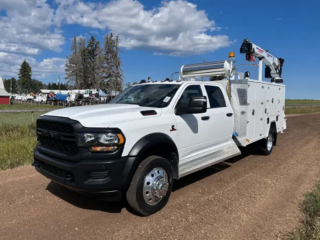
x=153, y=133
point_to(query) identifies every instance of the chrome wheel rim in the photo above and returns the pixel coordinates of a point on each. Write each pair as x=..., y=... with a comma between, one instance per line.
x=270, y=142
x=155, y=186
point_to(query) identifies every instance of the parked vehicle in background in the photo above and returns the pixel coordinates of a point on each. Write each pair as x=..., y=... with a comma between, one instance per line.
x=40, y=98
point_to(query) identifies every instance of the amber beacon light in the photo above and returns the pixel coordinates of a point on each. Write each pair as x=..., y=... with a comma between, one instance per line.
x=231, y=55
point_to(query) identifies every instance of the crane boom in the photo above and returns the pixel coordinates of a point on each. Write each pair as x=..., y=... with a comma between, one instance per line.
x=273, y=64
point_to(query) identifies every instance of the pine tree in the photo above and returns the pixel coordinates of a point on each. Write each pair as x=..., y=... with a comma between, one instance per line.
x=99, y=70
x=36, y=86
x=6, y=83
x=54, y=86
x=95, y=63
x=84, y=72
x=14, y=85
x=44, y=86
x=91, y=60
x=73, y=64
x=49, y=86
x=25, y=77
x=112, y=65
x=82, y=65
x=94, y=67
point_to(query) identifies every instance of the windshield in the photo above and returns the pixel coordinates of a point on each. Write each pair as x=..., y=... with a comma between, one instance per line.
x=157, y=95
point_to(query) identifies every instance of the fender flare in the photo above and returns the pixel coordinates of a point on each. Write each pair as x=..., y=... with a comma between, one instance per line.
x=141, y=147
x=149, y=140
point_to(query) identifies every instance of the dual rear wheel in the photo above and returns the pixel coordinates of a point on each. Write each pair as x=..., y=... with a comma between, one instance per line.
x=266, y=145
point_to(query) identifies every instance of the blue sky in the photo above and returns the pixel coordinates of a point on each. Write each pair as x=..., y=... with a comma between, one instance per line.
x=158, y=37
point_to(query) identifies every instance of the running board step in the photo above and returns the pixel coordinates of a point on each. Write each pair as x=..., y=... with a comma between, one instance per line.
x=205, y=160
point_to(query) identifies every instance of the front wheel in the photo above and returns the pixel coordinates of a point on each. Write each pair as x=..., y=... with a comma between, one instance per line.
x=151, y=186
x=267, y=144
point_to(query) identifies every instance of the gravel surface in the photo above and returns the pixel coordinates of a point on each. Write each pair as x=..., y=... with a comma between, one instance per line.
x=248, y=197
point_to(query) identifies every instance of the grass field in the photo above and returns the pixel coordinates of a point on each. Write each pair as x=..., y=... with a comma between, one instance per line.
x=24, y=106
x=310, y=226
x=297, y=102
x=19, y=118
x=16, y=145
x=296, y=106
x=23, y=117
x=301, y=110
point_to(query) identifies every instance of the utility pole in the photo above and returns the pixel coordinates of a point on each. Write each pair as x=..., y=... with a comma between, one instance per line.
x=11, y=85
x=59, y=82
x=204, y=62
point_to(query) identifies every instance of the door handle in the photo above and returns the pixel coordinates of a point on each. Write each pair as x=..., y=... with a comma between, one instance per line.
x=229, y=114
x=205, y=118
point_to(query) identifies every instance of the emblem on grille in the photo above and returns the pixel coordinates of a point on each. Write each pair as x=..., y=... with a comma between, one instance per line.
x=50, y=134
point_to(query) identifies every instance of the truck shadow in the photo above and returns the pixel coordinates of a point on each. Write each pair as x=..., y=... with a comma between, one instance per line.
x=84, y=201
x=96, y=204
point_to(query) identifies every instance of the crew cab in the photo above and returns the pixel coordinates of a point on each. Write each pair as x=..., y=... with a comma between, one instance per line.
x=152, y=133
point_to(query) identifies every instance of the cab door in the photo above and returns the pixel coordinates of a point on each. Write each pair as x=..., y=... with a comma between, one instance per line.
x=221, y=118
x=191, y=128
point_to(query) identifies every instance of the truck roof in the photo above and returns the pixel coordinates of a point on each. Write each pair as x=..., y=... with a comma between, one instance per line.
x=181, y=82
x=152, y=83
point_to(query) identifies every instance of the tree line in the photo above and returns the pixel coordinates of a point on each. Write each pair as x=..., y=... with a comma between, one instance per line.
x=35, y=87
x=25, y=83
x=91, y=66
x=55, y=86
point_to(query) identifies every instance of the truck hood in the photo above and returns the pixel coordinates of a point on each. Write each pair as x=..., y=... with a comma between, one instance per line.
x=104, y=115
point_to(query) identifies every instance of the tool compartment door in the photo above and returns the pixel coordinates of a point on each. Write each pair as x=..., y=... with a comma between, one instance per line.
x=260, y=107
x=275, y=100
x=258, y=111
x=282, y=97
x=263, y=110
x=251, y=112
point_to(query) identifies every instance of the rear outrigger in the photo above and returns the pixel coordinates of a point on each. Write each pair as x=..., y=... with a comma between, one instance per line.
x=152, y=133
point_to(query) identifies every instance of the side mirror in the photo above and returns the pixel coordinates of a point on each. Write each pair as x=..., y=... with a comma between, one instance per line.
x=197, y=104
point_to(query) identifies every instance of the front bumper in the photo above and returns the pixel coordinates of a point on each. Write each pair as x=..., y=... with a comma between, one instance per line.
x=104, y=177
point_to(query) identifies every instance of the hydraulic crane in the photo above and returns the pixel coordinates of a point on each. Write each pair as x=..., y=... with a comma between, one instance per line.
x=273, y=64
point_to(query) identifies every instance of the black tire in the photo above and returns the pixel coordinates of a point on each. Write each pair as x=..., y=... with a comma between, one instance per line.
x=135, y=194
x=265, y=148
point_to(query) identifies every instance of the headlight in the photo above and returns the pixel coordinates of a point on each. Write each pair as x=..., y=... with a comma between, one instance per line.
x=101, y=142
x=108, y=138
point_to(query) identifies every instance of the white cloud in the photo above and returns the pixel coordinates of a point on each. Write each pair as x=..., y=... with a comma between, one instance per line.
x=94, y=32
x=175, y=28
x=14, y=47
x=28, y=27
x=10, y=65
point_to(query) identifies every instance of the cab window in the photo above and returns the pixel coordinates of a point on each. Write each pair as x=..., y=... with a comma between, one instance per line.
x=215, y=96
x=190, y=91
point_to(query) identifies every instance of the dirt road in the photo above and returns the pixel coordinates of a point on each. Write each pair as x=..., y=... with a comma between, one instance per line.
x=251, y=197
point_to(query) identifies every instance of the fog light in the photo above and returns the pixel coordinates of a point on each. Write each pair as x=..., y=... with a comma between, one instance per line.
x=104, y=148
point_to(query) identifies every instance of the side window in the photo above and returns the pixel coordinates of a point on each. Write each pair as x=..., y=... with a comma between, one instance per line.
x=215, y=96
x=194, y=90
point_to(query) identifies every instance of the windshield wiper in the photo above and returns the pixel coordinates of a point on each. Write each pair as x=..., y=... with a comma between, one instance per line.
x=126, y=103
